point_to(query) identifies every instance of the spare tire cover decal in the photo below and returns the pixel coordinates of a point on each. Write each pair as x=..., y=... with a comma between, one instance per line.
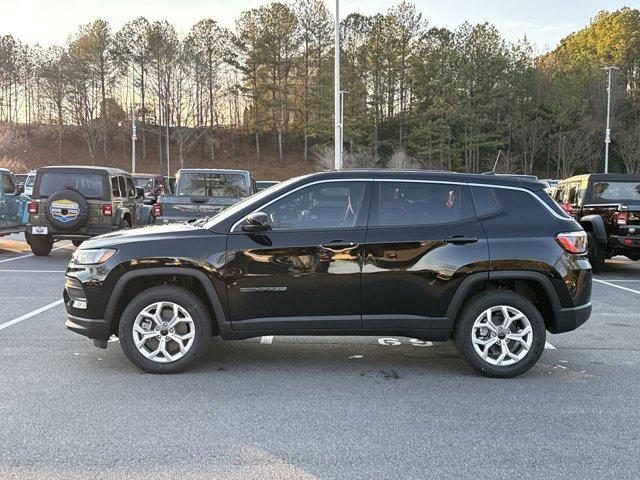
x=64, y=210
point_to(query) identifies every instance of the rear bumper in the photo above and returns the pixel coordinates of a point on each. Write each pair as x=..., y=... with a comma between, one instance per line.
x=81, y=234
x=621, y=242
x=568, y=319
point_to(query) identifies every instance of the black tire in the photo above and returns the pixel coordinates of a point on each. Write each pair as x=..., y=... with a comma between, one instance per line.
x=124, y=223
x=473, y=308
x=595, y=253
x=182, y=297
x=71, y=198
x=40, y=244
x=77, y=243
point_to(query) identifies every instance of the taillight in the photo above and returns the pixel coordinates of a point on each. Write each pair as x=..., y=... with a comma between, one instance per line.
x=573, y=242
x=107, y=210
x=32, y=207
x=157, y=210
x=567, y=208
x=622, y=218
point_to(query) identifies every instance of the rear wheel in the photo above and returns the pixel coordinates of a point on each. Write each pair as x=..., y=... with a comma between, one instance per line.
x=596, y=253
x=165, y=329
x=500, y=334
x=40, y=244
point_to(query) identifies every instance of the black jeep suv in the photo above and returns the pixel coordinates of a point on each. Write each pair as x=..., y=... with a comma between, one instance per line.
x=489, y=261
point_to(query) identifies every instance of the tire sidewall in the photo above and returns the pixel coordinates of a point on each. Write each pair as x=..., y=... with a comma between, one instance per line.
x=187, y=300
x=474, y=308
x=595, y=253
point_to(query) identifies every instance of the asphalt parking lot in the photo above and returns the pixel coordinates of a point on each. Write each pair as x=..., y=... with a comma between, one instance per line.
x=312, y=408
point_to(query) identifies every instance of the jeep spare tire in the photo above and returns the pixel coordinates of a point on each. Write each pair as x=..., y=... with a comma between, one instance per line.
x=67, y=210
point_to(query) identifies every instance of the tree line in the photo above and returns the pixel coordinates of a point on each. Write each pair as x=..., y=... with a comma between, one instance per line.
x=416, y=95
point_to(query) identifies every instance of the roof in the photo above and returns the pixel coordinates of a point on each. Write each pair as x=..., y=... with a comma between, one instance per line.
x=211, y=170
x=530, y=183
x=603, y=177
x=64, y=168
x=140, y=175
x=4, y=170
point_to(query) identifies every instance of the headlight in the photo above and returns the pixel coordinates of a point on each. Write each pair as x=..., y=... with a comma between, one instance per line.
x=92, y=257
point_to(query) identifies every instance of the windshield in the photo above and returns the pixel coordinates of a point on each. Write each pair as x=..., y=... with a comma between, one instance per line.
x=604, y=192
x=143, y=182
x=206, y=184
x=256, y=199
x=88, y=184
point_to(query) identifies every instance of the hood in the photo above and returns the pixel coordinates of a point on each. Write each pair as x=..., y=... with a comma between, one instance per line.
x=144, y=234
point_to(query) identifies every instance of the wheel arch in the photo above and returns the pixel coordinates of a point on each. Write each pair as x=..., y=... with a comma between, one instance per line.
x=534, y=286
x=134, y=282
x=595, y=225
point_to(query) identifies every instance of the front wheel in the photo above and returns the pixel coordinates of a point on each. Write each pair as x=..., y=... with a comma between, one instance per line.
x=165, y=329
x=500, y=334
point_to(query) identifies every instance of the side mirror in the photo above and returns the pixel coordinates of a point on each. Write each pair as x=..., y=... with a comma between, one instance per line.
x=139, y=192
x=20, y=189
x=256, y=222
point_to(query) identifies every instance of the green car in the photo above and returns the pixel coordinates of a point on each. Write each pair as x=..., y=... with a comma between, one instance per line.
x=77, y=203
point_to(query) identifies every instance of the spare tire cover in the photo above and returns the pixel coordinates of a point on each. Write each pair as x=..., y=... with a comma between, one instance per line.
x=67, y=210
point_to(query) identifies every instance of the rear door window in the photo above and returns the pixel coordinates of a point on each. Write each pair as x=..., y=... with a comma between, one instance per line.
x=8, y=187
x=421, y=203
x=89, y=185
x=115, y=187
x=131, y=188
x=123, y=187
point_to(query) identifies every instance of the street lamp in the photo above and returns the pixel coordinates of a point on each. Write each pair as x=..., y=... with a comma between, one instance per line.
x=337, y=94
x=134, y=137
x=607, y=133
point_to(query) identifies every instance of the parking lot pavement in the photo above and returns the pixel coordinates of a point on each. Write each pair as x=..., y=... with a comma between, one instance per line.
x=316, y=408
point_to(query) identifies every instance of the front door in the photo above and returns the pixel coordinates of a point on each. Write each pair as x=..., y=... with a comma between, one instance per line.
x=305, y=272
x=10, y=202
x=423, y=239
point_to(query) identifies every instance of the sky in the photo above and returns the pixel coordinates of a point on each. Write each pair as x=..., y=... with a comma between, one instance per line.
x=544, y=22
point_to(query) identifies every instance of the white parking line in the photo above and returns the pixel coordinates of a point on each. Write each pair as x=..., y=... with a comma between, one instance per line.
x=28, y=255
x=267, y=339
x=33, y=271
x=30, y=314
x=548, y=346
x=620, y=280
x=617, y=286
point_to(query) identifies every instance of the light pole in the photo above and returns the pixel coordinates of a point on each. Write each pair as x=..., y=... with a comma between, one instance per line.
x=134, y=137
x=337, y=95
x=607, y=133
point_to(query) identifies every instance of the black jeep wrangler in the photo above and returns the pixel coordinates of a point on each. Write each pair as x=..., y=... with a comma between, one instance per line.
x=607, y=205
x=76, y=203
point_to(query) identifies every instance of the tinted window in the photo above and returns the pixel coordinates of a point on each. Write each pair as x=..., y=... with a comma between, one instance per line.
x=7, y=184
x=123, y=187
x=203, y=184
x=485, y=200
x=616, y=191
x=323, y=206
x=416, y=203
x=144, y=182
x=131, y=188
x=115, y=187
x=88, y=184
x=30, y=181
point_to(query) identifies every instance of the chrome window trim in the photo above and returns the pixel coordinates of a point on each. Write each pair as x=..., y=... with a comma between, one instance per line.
x=233, y=228
x=407, y=180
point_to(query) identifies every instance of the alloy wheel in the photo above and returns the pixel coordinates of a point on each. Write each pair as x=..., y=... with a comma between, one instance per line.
x=502, y=335
x=163, y=332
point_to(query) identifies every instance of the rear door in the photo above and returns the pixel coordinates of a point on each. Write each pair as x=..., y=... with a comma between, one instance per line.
x=423, y=239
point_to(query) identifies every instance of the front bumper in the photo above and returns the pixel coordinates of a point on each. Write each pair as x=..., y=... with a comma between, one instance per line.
x=568, y=319
x=96, y=329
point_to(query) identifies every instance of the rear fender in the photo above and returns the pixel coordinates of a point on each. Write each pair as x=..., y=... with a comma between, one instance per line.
x=595, y=225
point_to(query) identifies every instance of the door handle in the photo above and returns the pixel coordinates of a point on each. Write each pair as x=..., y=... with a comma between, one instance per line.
x=339, y=245
x=460, y=239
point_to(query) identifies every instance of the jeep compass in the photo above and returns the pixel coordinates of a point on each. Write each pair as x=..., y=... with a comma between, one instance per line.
x=488, y=261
